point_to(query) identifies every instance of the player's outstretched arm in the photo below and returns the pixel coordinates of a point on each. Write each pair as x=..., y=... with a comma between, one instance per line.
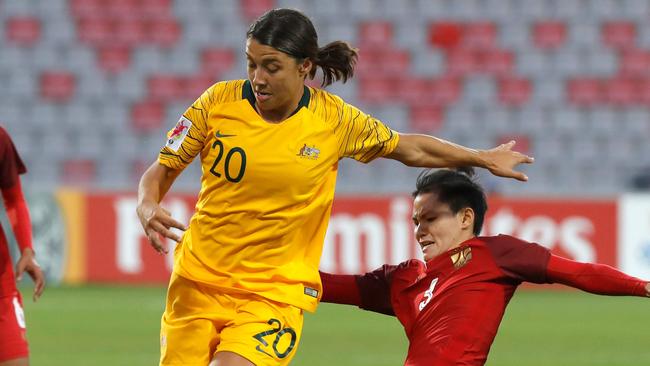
x=595, y=278
x=369, y=291
x=18, y=214
x=340, y=289
x=432, y=152
x=156, y=221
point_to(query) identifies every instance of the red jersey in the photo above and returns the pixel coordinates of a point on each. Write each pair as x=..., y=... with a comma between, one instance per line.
x=10, y=167
x=451, y=307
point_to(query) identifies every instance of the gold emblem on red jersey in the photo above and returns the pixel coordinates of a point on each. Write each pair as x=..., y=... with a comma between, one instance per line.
x=309, y=152
x=461, y=256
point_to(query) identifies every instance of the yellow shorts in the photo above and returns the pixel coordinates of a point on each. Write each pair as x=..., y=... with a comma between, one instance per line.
x=200, y=321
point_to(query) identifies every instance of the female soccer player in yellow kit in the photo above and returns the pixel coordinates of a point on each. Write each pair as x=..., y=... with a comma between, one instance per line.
x=247, y=265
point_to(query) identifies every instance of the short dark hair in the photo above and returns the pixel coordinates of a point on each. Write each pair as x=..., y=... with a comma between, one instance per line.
x=457, y=189
x=290, y=31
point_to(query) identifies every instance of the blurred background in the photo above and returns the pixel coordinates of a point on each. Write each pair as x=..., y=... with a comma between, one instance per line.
x=89, y=88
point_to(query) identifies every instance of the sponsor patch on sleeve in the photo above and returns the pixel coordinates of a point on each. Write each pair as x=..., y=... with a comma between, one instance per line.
x=311, y=292
x=176, y=136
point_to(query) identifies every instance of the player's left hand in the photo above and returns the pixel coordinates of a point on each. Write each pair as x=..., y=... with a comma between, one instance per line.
x=502, y=160
x=27, y=263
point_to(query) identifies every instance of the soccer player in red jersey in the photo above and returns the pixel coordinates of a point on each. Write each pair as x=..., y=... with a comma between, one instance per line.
x=451, y=305
x=13, y=344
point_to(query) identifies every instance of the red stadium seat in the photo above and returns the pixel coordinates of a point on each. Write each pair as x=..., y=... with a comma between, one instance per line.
x=130, y=32
x=415, y=91
x=377, y=89
x=462, y=61
x=585, y=91
x=96, y=32
x=147, y=116
x=445, y=35
x=254, y=8
x=24, y=31
x=122, y=9
x=622, y=92
x=87, y=8
x=396, y=61
x=619, y=34
x=426, y=118
x=514, y=91
x=165, y=87
x=479, y=35
x=79, y=171
x=634, y=62
x=445, y=91
x=550, y=34
x=57, y=86
x=215, y=61
x=375, y=34
x=194, y=86
x=523, y=142
x=156, y=8
x=164, y=32
x=369, y=62
x=643, y=88
x=497, y=62
x=114, y=59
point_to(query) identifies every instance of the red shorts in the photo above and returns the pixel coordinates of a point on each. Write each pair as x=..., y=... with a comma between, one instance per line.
x=12, y=328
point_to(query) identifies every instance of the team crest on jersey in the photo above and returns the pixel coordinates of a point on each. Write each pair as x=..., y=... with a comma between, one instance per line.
x=176, y=136
x=461, y=256
x=309, y=152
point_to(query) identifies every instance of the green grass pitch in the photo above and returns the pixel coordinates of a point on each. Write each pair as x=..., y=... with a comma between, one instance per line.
x=111, y=325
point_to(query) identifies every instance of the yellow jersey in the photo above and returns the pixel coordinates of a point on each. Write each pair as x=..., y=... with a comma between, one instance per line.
x=266, y=188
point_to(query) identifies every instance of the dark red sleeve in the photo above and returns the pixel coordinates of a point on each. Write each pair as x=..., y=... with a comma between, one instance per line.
x=18, y=214
x=370, y=291
x=10, y=163
x=374, y=288
x=595, y=278
x=340, y=289
x=519, y=259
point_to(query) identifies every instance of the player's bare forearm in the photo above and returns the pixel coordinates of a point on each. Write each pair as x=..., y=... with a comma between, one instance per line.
x=432, y=152
x=155, y=182
x=156, y=221
x=595, y=278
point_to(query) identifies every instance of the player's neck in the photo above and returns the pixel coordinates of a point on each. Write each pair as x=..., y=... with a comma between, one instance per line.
x=463, y=239
x=281, y=113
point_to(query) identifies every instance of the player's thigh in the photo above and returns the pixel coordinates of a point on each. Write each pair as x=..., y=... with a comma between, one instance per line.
x=264, y=332
x=13, y=341
x=189, y=331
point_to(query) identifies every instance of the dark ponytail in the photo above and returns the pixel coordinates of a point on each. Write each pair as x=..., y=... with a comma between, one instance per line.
x=337, y=60
x=291, y=32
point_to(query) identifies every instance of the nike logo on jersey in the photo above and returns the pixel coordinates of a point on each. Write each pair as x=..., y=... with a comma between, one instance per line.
x=220, y=135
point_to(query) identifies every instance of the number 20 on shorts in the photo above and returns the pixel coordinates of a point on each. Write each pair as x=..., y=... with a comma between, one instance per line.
x=281, y=340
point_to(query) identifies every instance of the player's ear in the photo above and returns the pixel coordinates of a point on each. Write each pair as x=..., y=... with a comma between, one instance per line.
x=467, y=218
x=305, y=66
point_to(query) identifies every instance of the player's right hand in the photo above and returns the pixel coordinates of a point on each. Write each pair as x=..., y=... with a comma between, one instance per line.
x=502, y=160
x=27, y=263
x=157, y=224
